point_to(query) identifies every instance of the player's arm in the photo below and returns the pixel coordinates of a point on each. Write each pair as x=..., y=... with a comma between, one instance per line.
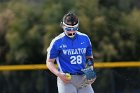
x=89, y=54
x=90, y=61
x=52, y=53
x=51, y=66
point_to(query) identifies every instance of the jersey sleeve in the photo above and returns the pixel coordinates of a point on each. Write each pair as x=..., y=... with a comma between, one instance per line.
x=52, y=51
x=89, y=48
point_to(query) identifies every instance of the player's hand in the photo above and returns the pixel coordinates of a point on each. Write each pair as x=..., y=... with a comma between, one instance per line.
x=89, y=74
x=63, y=77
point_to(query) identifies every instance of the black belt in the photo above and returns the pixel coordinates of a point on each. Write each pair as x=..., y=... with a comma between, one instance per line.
x=76, y=73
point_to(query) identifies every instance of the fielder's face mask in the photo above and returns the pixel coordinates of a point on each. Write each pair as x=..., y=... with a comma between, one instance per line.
x=70, y=24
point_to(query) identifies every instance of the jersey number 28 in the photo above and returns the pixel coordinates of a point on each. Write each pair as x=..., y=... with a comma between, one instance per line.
x=76, y=59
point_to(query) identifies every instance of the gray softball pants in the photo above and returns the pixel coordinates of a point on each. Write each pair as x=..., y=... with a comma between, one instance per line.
x=73, y=86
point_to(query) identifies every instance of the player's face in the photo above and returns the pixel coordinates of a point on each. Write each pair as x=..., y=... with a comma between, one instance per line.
x=70, y=31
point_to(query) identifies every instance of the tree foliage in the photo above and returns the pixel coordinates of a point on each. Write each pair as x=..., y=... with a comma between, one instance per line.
x=28, y=26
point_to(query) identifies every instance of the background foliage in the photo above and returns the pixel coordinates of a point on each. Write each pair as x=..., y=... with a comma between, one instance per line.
x=28, y=26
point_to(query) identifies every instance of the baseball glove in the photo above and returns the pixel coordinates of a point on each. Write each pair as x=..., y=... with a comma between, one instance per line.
x=89, y=76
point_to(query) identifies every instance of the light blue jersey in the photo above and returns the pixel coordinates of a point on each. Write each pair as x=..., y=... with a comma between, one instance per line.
x=70, y=53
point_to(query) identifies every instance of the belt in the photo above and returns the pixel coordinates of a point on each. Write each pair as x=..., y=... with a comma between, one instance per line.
x=76, y=73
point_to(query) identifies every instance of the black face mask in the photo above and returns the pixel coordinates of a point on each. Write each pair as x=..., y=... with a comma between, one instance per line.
x=71, y=34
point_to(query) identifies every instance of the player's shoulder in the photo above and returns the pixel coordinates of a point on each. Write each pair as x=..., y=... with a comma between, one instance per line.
x=58, y=37
x=82, y=34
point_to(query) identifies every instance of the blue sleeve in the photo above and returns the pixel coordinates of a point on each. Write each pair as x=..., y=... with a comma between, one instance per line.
x=52, y=50
x=89, y=48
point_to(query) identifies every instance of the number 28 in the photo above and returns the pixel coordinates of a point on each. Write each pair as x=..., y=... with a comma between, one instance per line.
x=76, y=59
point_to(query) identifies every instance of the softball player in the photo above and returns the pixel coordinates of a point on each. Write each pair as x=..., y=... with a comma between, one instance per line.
x=70, y=49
